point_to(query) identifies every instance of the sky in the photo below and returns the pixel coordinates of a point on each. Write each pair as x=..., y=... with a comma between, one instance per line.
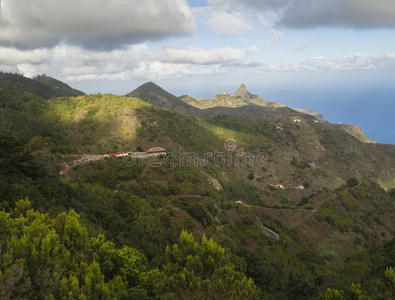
x=299, y=52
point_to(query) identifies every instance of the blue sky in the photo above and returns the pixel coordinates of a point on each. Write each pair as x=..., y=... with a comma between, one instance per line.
x=128, y=42
x=310, y=47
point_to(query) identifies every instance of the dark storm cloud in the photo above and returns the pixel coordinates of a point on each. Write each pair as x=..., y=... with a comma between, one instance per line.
x=360, y=14
x=91, y=23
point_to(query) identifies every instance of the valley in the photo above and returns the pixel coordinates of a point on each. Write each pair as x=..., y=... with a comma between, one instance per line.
x=283, y=202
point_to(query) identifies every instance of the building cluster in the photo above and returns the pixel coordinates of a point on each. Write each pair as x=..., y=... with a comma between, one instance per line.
x=282, y=187
x=155, y=151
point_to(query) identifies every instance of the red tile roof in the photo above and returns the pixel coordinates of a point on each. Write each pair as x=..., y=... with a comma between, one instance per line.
x=116, y=153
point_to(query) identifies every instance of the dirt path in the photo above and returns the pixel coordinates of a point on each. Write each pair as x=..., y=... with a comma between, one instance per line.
x=216, y=217
x=65, y=169
x=277, y=209
x=302, y=220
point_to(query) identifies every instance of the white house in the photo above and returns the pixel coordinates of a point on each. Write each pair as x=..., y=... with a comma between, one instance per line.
x=117, y=154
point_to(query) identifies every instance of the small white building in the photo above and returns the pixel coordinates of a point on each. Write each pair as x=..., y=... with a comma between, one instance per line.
x=139, y=154
x=117, y=154
x=278, y=186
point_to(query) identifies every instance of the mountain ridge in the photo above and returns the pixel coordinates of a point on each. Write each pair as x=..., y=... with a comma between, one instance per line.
x=251, y=107
x=60, y=88
x=316, y=188
x=242, y=97
x=241, y=103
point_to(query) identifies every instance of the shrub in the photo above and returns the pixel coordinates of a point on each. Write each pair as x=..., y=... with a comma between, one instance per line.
x=352, y=182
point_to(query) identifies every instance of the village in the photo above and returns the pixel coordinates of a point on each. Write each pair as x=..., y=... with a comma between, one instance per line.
x=152, y=152
x=159, y=151
x=282, y=187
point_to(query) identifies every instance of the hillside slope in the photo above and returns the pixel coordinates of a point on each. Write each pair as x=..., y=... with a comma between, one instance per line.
x=322, y=192
x=159, y=98
x=61, y=89
x=241, y=98
x=16, y=83
x=243, y=104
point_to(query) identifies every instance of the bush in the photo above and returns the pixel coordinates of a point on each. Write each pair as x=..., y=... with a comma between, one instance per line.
x=304, y=201
x=300, y=164
x=199, y=214
x=352, y=182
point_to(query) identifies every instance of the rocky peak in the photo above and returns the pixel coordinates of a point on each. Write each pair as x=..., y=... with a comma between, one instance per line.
x=242, y=91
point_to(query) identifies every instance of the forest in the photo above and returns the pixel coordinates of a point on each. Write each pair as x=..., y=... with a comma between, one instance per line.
x=109, y=230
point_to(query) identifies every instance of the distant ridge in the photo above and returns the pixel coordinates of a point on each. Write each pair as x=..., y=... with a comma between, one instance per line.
x=159, y=98
x=242, y=92
x=355, y=132
x=17, y=83
x=240, y=104
x=40, y=86
x=243, y=104
x=61, y=89
x=242, y=97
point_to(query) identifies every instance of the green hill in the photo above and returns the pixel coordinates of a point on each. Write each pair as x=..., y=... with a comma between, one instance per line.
x=334, y=215
x=242, y=104
x=16, y=83
x=61, y=89
x=159, y=98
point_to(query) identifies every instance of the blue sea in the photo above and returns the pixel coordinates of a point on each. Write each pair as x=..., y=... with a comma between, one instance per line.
x=372, y=110
x=364, y=98
x=344, y=97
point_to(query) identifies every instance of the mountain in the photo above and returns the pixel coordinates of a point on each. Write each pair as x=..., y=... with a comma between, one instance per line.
x=355, y=132
x=159, y=98
x=241, y=104
x=242, y=97
x=16, y=83
x=294, y=204
x=40, y=86
x=61, y=89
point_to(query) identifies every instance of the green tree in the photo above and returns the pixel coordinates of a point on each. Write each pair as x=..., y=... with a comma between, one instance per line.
x=202, y=270
x=333, y=294
x=44, y=258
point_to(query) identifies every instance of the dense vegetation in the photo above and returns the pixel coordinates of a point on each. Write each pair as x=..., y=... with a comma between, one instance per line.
x=125, y=230
x=61, y=89
x=44, y=258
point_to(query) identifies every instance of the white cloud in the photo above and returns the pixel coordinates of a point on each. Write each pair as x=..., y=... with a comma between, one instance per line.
x=201, y=56
x=134, y=61
x=356, y=61
x=275, y=36
x=91, y=23
x=302, y=45
x=225, y=23
x=75, y=64
x=9, y=56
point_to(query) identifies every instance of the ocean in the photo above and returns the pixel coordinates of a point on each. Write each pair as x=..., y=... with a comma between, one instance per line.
x=371, y=110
